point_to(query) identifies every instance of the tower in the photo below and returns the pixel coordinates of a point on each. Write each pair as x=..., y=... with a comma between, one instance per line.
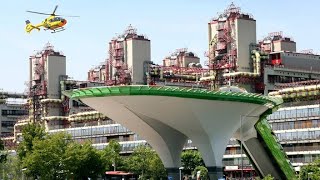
x=127, y=55
x=47, y=67
x=230, y=36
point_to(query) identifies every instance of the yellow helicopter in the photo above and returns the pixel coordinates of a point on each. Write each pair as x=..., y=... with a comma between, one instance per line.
x=54, y=22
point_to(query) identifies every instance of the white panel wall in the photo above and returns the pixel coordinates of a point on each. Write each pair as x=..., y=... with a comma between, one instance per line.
x=138, y=51
x=55, y=67
x=246, y=34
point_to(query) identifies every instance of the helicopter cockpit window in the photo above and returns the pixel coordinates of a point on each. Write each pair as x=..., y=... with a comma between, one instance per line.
x=55, y=19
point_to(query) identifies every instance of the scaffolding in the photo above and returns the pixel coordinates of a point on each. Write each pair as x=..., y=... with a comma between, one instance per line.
x=38, y=83
x=117, y=70
x=222, y=54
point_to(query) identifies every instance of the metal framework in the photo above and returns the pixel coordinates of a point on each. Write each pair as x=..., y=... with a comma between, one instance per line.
x=117, y=70
x=38, y=83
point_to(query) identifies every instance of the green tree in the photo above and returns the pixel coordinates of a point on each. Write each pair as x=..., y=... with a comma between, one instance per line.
x=111, y=156
x=47, y=157
x=310, y=171
x=190, y=159
x=82, y=161
x=203, y=172
x=268, y=177
x=3, y=154
x=11, y=169
x=30, y=133
x=146, y=163
x=139, y=161
x=157, y=168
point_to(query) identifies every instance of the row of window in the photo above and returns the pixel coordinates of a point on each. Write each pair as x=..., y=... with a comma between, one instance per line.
x=18, y=112
x=7, y=123
x=236, y=161
x=93, y=131
x=302, y=148
x=295, y=113
x=286, y=147
x=124, y=146
x=105, y=139
x=303, y=158
x=296, y=124
x=298, y=135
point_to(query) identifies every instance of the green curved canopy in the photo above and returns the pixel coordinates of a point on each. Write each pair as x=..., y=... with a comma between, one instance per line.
x=176, y=92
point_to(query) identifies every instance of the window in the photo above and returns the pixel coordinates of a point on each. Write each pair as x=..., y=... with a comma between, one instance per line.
x=19, y=112
x=7, y=123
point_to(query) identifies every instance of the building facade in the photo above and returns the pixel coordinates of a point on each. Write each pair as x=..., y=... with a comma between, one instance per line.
x=230, y=59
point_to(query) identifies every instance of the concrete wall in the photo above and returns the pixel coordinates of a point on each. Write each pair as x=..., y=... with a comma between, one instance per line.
x=138, y=51
x=301, y=61
x=168, y=62
x=284, y=46
x=212, y=30
x=187, y=60
x=30, y=69
x=245, y=35
x=55, y=67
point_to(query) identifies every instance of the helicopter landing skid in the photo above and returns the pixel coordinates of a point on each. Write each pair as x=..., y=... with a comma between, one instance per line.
x=58, y=30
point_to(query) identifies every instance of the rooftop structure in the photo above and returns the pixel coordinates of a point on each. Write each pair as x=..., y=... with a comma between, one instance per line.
x=97, y=74
x=182, y=58
x=276, y=41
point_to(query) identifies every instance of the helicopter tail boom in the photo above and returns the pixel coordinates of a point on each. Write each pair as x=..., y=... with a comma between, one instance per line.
x=29, y=27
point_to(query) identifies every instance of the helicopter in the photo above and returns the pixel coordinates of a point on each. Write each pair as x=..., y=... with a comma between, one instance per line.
x=54, y=22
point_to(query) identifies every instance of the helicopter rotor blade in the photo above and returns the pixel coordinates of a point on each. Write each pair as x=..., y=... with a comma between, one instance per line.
x=38, y=13
x=54, y=9
x=67, y=16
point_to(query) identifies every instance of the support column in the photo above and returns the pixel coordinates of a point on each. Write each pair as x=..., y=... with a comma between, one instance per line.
x=173, y=173
x=215, y=172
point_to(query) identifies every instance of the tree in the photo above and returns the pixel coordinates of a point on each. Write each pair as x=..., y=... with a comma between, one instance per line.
x=30, y=133
x=47, y=157
x=146, y=163
x=190, y=159
x=111, y=156
x=3, y=154
x=139, y=161
x=203, y=172
x=82, y=161
x=156, y=167
x=268, y=177
x=311, y=171
x=12, y=168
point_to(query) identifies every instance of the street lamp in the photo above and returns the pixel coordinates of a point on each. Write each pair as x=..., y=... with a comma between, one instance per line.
x=23, y=175
x=180, y=174
x=309, y=174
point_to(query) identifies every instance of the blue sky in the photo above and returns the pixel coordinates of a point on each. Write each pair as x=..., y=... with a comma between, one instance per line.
x=169, y=24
